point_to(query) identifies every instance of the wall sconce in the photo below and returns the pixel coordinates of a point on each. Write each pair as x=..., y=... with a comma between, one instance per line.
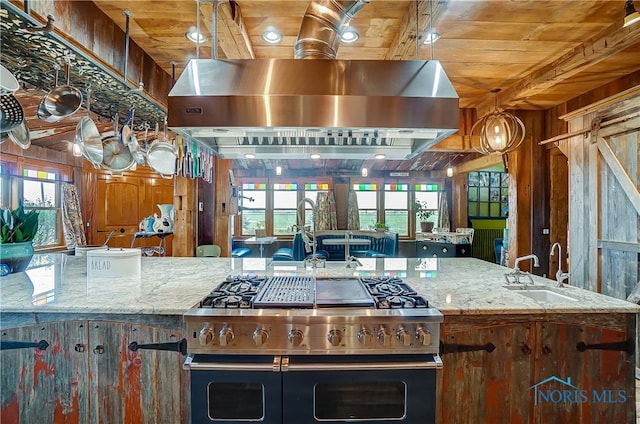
x=364, y=172
x=500, y=132
x=278, y=170
x=631, y=15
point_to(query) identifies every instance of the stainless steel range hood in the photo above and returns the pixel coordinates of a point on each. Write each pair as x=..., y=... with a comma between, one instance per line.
x=289, y=108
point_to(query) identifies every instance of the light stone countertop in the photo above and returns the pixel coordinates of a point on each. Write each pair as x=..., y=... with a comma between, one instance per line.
x=170, y=286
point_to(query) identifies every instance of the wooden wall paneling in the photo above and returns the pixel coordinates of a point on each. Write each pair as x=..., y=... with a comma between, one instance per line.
x=458, y=205
x=185, y=224
x=222, y=194
x=520, y=204
x=119, y=209
x=583, y=208
x=539, y=160
x=558, y=207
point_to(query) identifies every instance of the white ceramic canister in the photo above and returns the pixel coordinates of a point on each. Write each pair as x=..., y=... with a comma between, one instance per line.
x=113, y=263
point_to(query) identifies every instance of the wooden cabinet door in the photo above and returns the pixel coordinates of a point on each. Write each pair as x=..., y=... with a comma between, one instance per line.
x=122, y=202
x=118, y=208
x=592, y=386
x=477, y=386
x=45, y=386
x=145, y=386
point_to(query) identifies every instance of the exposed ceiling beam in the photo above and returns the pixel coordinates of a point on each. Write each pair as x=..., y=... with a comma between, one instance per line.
x=580, y=58
x=233, y=39
x=403, y=46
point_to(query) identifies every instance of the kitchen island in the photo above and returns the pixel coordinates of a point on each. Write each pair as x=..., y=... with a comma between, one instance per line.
x=507, y=357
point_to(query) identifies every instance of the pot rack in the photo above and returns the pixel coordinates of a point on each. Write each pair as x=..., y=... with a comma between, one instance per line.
x=31, y=56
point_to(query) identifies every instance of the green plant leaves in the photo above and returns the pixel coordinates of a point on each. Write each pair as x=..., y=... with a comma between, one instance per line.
x=17, y=225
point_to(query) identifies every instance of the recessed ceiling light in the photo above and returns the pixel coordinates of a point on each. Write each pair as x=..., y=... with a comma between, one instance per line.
x=430, y=37
x=349, y=35
x=195, y=37
x=315, y=155
x=380, y=156
x=250, y=155
x=272, y=36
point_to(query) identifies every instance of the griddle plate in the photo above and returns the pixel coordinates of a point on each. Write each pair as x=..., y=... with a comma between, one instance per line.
x=287, y=292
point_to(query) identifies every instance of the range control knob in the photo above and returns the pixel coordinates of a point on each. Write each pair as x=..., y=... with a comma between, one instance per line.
x=404, y=337
x=335, y=337
x=295, y=337
x=260, y=336
x=206, y=334
x=365, y=337
x=423, y=336
x=226, y=335
x=384, y=337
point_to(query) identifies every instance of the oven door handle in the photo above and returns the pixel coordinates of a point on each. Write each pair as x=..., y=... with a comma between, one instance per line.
x=190, y=364
x=363, y=366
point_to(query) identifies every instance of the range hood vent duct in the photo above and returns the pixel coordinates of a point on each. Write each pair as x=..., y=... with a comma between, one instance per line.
x=290, y=108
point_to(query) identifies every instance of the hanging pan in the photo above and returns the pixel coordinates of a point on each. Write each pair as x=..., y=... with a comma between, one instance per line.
x=162, y=156
x=21, y=135
x=63, y=100
x=88, y=137
x=42, y=112
x=116, y=156
x=8, y=83
x=11, y=113
x=134, y=145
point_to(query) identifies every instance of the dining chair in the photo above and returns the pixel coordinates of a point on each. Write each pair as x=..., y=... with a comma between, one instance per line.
x=209, y=250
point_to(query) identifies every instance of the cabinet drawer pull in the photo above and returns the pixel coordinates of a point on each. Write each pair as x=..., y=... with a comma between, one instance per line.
x=41, y=345
x=98, y=350
x=79, y=347
x=455, y=348
x=623, y=346
x=180, y=346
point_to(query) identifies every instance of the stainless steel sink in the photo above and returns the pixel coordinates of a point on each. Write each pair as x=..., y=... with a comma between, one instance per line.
x=541, y=294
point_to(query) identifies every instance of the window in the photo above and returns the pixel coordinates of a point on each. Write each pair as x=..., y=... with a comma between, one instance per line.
x=41, y=192
x=427, y=194
x=254, y=205
x=487, y=194
x=37, y=185
x=396, y=208
x=367, y=204
x=285, y=201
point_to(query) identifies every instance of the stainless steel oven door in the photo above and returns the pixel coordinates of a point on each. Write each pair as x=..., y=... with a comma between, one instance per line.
x=367, y=389
x=241, y=389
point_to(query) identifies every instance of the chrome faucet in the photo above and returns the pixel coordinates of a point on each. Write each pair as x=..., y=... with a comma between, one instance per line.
x=516, y=273
x=314, y=260
x=560, y=276
x=351, y=261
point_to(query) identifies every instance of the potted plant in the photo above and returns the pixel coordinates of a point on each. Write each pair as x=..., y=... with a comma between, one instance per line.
x=17, y=230
x=381, y=226
x=423, y=213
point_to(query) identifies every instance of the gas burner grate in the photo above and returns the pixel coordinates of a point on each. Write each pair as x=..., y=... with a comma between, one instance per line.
x=223, y=300
x=401, y=302
x=287, y=292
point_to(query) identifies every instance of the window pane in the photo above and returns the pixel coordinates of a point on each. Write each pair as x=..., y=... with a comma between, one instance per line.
x=430, y=197
x=48, y=229
x=252, y=219
x=36, y=193
x=397, y=221
x=367, y=219
x=484, y=209
x=366, y=200
x=484, y=194
x=259, y=199
x=495, y=209
x=285, y=199
x=473, y=209
x=283, y=220
x=395, y=199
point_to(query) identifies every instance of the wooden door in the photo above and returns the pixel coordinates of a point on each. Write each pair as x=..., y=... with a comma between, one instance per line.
x=45, y=386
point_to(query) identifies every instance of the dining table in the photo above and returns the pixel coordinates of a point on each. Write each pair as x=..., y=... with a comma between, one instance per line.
x=262, y=241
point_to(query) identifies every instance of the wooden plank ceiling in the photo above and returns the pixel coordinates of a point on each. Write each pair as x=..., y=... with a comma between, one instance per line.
x=539, y=53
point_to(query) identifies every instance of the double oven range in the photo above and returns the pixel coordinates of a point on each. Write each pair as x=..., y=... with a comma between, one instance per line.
x=297, y=350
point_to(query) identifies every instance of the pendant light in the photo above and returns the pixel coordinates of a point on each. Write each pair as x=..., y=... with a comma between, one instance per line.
x=449, y=168
x=500, y=132
x=631, y=15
